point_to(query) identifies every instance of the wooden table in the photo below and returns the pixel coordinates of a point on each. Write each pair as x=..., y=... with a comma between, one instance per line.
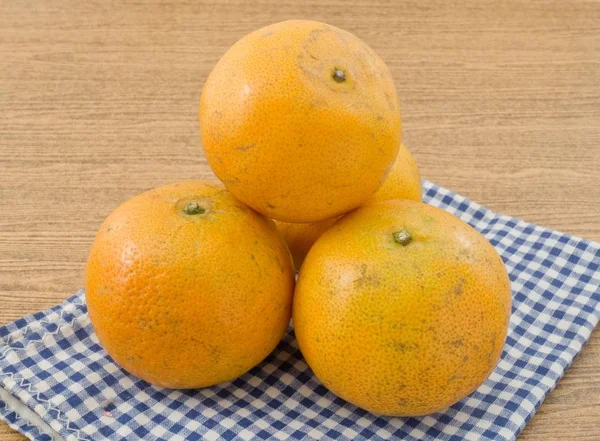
x=98, y=102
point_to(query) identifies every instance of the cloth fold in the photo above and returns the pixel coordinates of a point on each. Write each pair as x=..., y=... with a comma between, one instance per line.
x=56, y=379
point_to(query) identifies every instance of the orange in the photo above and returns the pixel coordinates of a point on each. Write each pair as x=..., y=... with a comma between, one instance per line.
x=403, y=182
x=300, y=120
x=401, y=308
x=186, y=287
x=301, y=237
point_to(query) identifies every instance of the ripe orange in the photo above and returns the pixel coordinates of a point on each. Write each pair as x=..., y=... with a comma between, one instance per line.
x=186, y=287
x=300, y=120
x=403, y=182
x=301, y=237
x=402, y=308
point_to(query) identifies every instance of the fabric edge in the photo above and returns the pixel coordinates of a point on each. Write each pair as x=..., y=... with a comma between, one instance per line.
x=25, y=420
x=14, y=388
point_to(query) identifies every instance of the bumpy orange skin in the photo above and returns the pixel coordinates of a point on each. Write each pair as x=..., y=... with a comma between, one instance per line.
x=402, y=330
x=403, y=182
x=285, y=136
x=188, y=300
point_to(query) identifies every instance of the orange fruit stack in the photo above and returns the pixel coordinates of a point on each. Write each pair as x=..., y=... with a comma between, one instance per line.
x=399, y=307
x=402, y=182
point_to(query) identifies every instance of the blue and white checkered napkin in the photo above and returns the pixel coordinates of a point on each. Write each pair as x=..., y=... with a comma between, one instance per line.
x=52, y=363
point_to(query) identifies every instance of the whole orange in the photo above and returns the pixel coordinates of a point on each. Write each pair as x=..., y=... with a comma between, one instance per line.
x=300, y=120
x=402, y=308
x=403, y=182
x=186, y=287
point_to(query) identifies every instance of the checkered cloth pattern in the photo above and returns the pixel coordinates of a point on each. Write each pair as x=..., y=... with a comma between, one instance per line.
x=52, y=363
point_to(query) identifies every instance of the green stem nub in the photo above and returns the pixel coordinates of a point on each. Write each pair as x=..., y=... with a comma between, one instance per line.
x=339, y=76
x=193, y=208
x=403, y=237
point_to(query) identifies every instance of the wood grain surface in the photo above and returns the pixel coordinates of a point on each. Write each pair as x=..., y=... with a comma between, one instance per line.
x=98, y=102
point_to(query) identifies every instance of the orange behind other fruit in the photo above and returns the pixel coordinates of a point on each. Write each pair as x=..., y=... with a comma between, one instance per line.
x=300, y=120
x=187, y=287
x=301, y=237
x=403, y=182
x=401, y=308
